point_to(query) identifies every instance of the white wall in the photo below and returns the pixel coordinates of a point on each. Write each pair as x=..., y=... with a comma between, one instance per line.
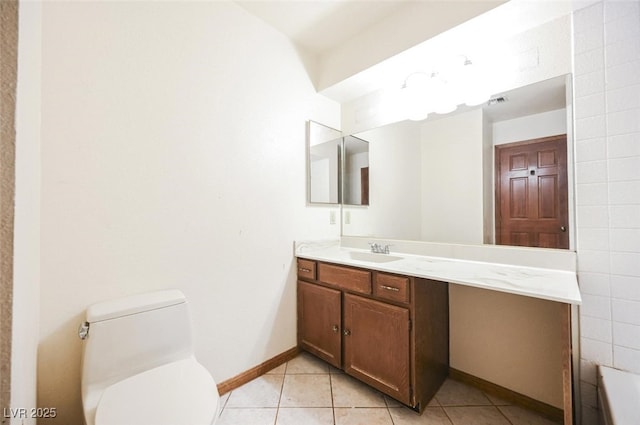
x=494, y=336
x=452, y=179
x=607, y=129
x=488, y=186
x=173, y=155
x=535, y=126
x=26, y=266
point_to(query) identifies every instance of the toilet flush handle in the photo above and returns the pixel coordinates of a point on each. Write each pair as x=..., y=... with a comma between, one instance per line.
x=83, y=330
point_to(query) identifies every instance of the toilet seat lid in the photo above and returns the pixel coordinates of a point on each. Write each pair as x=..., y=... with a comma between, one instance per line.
x=181, y=392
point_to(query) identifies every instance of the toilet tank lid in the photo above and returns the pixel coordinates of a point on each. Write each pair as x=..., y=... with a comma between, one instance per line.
x=133, y=304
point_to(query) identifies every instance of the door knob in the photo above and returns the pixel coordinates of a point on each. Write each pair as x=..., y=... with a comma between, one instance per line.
x=335, y=328
x=346, y=332
x=563, y=228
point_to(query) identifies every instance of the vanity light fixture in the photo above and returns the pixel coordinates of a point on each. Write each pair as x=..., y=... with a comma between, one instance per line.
x=473, y=84
x=416, y=96
x=444, y=96
x=441, y=92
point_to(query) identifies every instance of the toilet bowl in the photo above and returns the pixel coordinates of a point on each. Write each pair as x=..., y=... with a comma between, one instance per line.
x=138, y=365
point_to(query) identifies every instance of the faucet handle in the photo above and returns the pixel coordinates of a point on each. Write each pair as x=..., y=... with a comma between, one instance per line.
x=378, y=248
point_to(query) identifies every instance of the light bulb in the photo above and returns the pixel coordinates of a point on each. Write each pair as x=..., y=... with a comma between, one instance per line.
x=473, y=85
x=442, y=95
x=416, y=96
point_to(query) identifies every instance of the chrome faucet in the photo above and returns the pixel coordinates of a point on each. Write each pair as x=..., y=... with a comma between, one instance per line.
x=377, y=248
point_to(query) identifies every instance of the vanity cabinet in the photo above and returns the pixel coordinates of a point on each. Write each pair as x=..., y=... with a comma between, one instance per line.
x=387, y=330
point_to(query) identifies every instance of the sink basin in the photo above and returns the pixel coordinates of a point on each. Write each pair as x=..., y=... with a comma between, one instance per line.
x=372, y=258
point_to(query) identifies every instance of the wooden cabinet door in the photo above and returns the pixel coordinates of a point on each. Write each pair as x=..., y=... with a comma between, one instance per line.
x=319, y=330
x=376, y=345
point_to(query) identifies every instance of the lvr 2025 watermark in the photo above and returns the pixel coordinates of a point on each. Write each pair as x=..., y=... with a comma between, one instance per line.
x=28, y=413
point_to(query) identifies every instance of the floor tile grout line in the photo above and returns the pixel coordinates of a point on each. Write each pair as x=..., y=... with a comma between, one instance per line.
x=224, y=405
x=502, y=413
x=497, y=407
x=284, y=377
x=446, y=414
x=333, y=408
x=386, y=403
x=389, y=412
x=505, y=416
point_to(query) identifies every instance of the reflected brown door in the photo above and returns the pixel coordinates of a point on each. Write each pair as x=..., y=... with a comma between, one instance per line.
x=364, y=186
x=531, y=193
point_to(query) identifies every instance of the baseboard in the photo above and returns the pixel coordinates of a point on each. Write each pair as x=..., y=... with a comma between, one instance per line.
x=251, y=374
x=551, y=412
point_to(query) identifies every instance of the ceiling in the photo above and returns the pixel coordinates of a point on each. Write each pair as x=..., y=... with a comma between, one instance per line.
x=339, y=39
x=320, y=25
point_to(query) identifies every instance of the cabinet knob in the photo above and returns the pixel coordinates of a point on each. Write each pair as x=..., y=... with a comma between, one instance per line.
x=346, y=332
x=335, y=328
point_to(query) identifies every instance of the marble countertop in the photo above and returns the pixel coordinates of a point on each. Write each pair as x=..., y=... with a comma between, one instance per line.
x=548, y=284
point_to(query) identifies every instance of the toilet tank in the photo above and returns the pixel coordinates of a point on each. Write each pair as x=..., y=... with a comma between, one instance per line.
x=129, y=335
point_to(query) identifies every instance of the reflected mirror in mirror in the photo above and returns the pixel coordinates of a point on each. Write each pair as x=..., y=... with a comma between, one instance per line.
x=434, y=180
x=324, y=146
x=356, y=171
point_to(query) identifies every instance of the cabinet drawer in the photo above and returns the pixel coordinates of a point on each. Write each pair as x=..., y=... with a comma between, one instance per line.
x=306, y=269
x=393, y=288
x=345, y=278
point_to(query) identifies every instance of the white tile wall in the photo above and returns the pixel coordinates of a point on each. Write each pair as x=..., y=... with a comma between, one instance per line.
x=594, y=306
x=591, y=216
x=623, y=98
x=627, y=240
x=592, y=172
x=598, y=329
x=607, y=129
x=623, y=145
x=596, y=351
x=595, y=283
x=625, y=287
x=594, y=239
x=625, y=192
x=627, y=358
x=626, y=311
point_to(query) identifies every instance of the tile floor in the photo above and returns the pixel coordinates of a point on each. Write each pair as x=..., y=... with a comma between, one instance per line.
x=307, y=391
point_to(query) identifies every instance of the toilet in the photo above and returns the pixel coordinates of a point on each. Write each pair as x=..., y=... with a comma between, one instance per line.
x=138, y=364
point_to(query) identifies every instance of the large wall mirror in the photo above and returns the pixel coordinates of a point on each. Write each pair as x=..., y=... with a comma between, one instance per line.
x=434, y=180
